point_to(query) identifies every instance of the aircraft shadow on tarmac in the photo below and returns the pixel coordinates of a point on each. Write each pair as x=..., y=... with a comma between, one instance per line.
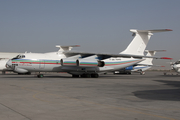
x=163, y=94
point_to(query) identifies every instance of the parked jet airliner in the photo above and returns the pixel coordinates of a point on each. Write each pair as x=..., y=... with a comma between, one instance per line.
x=81, y=64
x=142, y=66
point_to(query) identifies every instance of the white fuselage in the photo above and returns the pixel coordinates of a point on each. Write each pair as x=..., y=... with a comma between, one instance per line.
x=51, y=62
x=176, y=67
x=141, y=67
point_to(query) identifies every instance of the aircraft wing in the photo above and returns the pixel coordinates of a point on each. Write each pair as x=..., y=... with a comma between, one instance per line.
x=105, y=55
x=8, y=55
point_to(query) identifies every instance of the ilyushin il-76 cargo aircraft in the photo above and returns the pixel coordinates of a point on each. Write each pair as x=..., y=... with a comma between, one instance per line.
x=82, y=64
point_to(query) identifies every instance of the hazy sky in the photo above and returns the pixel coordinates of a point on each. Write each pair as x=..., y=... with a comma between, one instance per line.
x=95, y=25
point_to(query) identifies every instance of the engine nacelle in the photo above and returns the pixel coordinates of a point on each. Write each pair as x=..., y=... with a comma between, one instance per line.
x=101, y=64
x=82, y=63
x=88, y=63
x=129, y=68
x=68, y=62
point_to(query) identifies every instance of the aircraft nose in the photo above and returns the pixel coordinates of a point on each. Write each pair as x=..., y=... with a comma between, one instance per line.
x=174, y=67
x=9, y=64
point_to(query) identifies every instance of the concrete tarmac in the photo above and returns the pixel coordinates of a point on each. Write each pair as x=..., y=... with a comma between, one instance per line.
x=57, y=96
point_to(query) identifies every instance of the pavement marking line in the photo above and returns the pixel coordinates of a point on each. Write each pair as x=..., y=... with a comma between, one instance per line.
x=15, y=111
x=120, y=108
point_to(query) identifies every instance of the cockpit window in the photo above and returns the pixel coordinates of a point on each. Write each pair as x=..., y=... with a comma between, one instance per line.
x=19, y=57
x=178, y=62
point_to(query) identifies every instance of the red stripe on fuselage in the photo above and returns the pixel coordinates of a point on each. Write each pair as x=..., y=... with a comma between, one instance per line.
x=69, y=64
x=34, y=63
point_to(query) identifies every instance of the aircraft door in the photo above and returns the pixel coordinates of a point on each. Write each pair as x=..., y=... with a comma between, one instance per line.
x=41, y=64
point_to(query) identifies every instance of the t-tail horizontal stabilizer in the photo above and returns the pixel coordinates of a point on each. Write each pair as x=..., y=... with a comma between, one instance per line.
x=148, y=61
x=140, y=41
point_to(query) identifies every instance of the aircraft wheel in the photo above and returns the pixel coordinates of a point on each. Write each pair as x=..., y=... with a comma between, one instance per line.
x=28, y=73
x=40, y=76
x=88, y=75
x=94, y=75
x=85, y=75
x=75, y=76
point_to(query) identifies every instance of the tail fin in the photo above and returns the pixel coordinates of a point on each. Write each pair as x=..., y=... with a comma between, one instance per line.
x=148, y=61
x=140, y=41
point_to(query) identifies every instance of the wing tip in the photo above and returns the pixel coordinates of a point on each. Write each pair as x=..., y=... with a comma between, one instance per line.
x=169, y=29
x=77, y=45
x=167, y=58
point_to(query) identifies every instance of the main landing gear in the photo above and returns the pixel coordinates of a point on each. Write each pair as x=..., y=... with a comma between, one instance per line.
x=95, y=75
x=40, y=75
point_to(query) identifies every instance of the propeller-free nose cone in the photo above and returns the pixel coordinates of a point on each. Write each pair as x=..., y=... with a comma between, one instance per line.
x=174, y=67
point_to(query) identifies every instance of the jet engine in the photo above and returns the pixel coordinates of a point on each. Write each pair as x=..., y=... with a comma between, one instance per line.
x=68, y=62
x=88, y=63
x=129, y=68
x=82, y=63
